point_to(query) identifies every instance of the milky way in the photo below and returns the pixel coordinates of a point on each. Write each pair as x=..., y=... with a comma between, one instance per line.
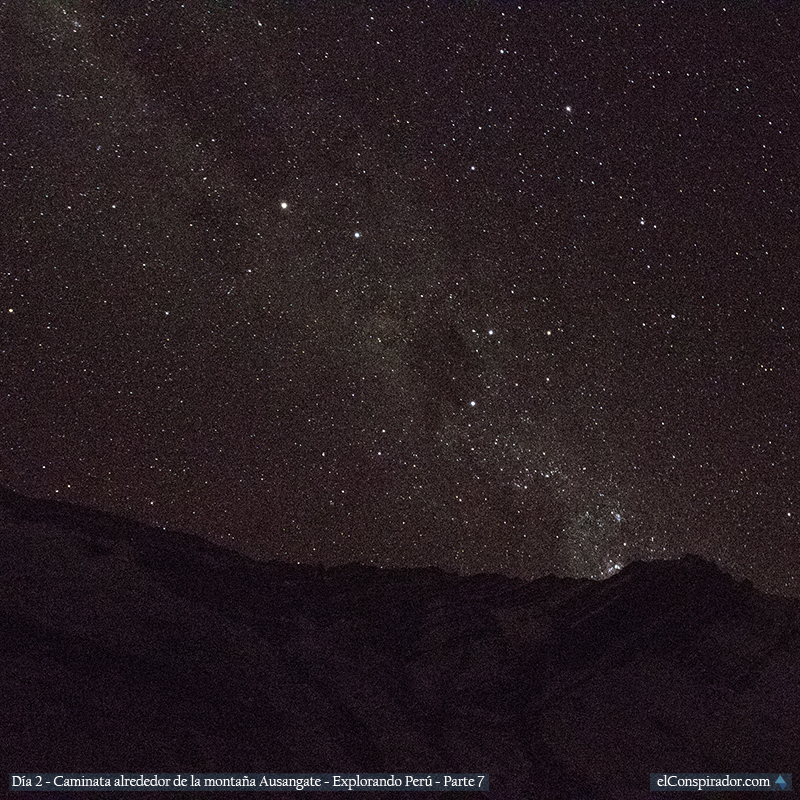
x=487, y=287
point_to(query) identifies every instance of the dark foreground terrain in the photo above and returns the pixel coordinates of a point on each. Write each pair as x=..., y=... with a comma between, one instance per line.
x=128, y=648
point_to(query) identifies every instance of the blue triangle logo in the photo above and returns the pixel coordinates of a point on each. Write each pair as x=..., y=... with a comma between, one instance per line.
x=780, y=781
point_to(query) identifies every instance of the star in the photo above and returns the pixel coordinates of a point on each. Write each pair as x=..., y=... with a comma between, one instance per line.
x=322, y=343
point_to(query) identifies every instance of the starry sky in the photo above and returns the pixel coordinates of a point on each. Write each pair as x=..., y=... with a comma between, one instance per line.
x=488, y=286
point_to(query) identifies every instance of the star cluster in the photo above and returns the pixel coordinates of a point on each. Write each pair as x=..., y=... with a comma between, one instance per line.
x=485, y=286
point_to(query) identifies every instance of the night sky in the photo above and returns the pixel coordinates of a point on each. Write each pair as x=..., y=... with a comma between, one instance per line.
x=486, y=286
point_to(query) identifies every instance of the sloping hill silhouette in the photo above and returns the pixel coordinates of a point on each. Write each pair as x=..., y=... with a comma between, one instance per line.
x=130, y=648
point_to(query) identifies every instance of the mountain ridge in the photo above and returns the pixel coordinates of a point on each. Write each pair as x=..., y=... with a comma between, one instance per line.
x=138, y=648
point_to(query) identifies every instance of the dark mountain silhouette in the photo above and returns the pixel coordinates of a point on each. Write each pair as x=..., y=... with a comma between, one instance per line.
x=130, y=648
